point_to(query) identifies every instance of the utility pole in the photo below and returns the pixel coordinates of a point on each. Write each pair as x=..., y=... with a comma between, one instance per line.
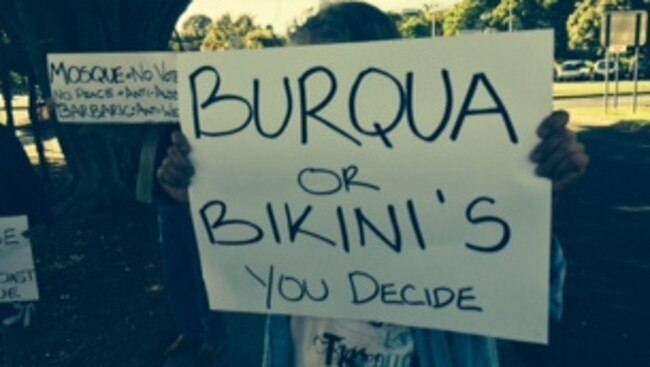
x=510, y=15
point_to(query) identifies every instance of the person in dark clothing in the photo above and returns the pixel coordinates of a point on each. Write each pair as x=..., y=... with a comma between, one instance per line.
x=201, y=331
x=21, y=192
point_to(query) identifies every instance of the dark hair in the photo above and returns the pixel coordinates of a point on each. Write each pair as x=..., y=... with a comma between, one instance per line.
x=346, y=22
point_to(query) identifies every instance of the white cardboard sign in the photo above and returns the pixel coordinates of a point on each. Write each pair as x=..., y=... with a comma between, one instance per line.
x=17, y=274
x=387, y=181
x=114, y=88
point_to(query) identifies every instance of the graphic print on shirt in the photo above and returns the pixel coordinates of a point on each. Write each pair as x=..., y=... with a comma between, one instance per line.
x=360, y=344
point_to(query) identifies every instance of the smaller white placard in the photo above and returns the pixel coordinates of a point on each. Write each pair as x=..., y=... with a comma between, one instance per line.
x=114, y=88
x=17, y=274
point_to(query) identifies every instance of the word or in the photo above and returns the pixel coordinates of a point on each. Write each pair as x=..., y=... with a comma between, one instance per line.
x=9, y=237
x=314, y=180
x=218, y=226
x=355, y=128
x=366, y=288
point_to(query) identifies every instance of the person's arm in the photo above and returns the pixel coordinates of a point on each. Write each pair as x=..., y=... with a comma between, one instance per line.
x=560, y=157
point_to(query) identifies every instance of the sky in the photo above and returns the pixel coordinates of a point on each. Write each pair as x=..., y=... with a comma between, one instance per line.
x=280, y=13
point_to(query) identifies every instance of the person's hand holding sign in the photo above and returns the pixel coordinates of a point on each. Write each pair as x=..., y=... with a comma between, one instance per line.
x=176, y=170
x=559, y=156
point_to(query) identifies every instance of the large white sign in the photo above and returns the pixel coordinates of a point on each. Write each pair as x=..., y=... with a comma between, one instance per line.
x=114, y=88
x=17, y=274
x=387, y=181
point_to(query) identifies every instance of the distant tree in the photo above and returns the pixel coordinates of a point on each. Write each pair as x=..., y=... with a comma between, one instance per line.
x=535, y=14
x=415, y=26
x=226, y=33
x=192, y=32
x=524, y=14
x=262, y=38
x=420, y=23
x=640, y=5
x=555, y=16
x=196, y=26
x=465, y=15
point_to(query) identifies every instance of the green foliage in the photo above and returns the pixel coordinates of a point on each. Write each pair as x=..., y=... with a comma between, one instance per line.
x=195, y=27
x=261, y=38
x=191, y=34
x=19, y=82
x=555, y=14
x=10, y=60
x=526, y=14
x=497, y=15
x=415, y=26
x=226, y=33
x=465, y=15
x=576, y=23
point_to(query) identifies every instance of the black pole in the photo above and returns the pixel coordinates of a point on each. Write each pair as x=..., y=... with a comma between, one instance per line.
x=7, y=86
x=637, y=41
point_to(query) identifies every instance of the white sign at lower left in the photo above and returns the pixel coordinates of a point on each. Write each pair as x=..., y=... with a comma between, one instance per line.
x=17, y=273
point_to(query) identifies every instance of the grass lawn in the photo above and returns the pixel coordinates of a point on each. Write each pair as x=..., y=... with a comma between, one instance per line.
x=590, y=116
x=585, y=116
x=562, y=90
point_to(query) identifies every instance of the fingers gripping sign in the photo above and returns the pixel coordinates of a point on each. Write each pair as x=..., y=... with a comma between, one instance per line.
x=559, y=156
x=176, y=170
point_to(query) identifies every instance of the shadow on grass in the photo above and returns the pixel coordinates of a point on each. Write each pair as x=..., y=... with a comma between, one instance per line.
x=604, y=223
x=102, y=300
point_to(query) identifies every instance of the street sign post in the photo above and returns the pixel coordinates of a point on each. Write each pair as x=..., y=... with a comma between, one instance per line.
x=619, y=30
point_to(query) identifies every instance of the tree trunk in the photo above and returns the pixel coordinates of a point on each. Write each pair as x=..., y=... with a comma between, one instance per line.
x=37, y=129
x=5, y=79
x=102, y=158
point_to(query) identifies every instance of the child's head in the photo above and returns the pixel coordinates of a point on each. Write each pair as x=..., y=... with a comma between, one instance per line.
x=346, y=22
